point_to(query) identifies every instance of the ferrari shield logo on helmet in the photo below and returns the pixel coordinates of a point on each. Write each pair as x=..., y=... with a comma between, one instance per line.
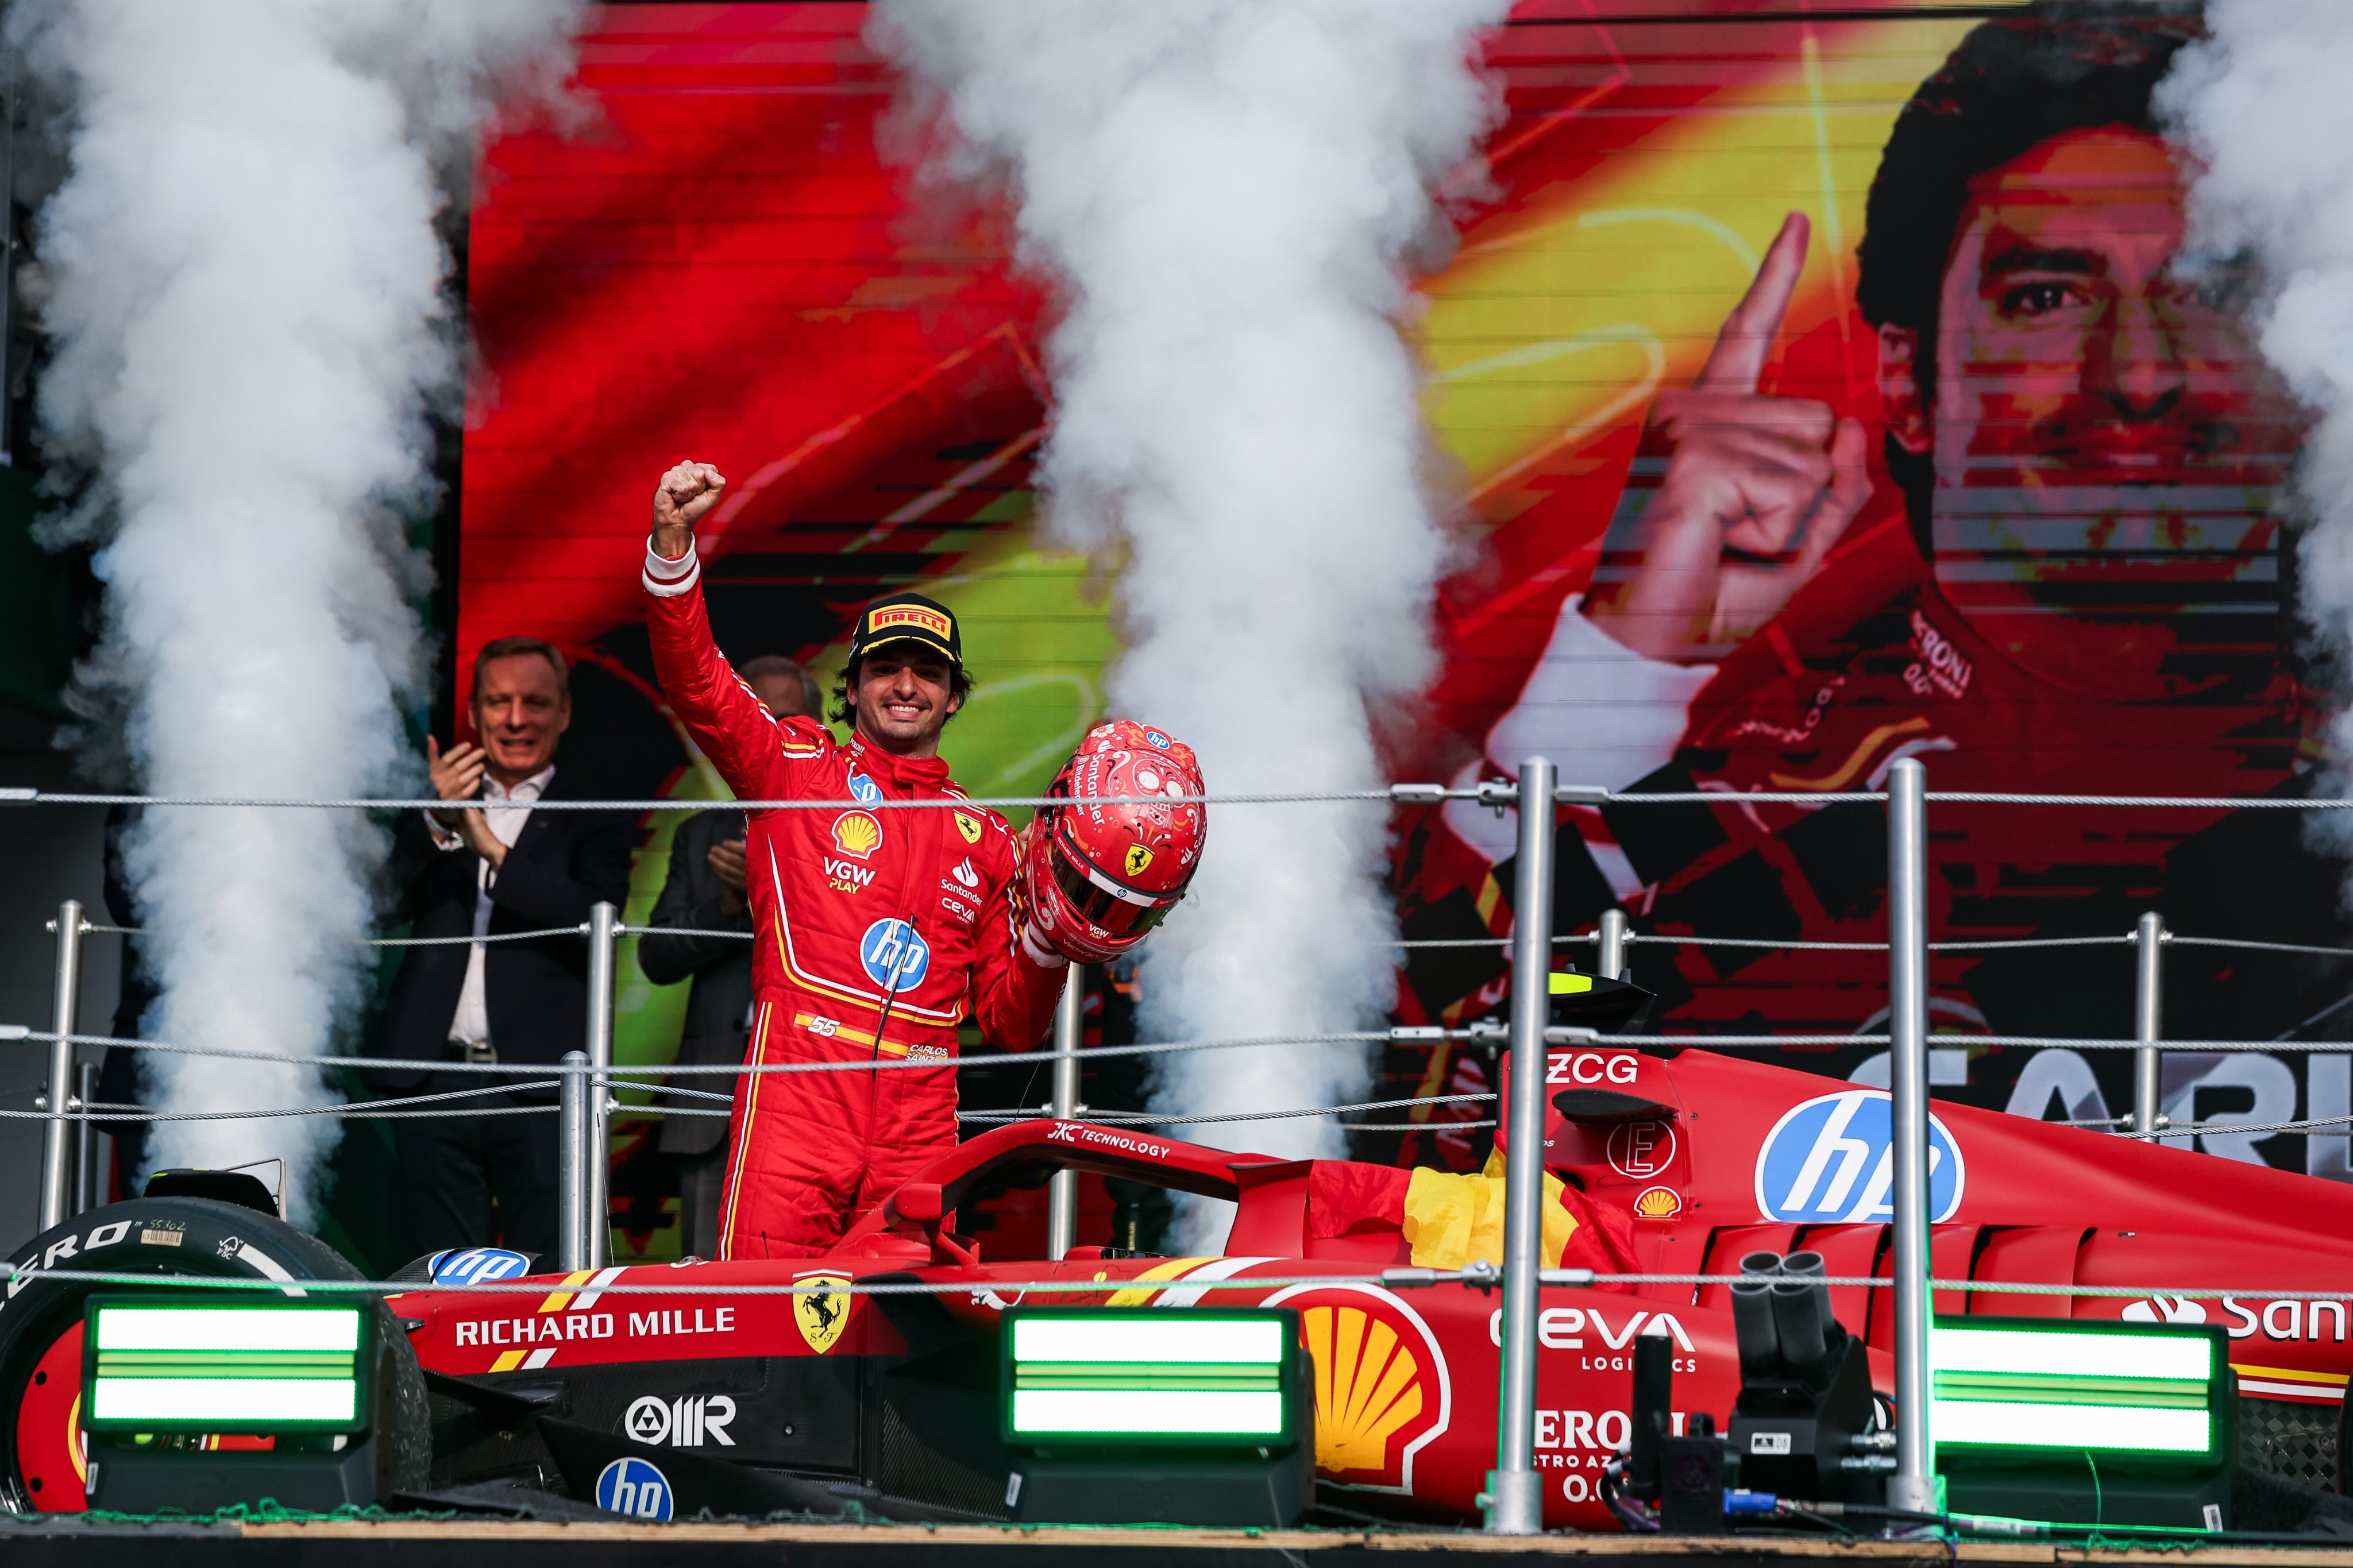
x=822, y=1313
x=1138, y=857
x=967, y=826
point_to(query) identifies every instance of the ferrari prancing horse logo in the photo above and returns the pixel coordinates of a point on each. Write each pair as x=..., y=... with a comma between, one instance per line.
x=966, y=826
x=1138, y=857
x=822, y=1314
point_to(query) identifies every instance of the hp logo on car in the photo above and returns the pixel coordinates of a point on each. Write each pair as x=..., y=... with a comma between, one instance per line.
x=1830, y=1161
x=634, y=1488
x=476, y=1266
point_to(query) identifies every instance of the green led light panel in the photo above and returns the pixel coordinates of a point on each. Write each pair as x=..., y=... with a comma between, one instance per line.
x=1149, y=1376
x=2054, y=1353
x=1161, y=1337
x=155, y=1366
x=2027, y=1386
x=2036, y=1425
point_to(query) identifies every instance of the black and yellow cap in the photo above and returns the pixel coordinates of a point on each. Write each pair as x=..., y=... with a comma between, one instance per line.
x=907, y=617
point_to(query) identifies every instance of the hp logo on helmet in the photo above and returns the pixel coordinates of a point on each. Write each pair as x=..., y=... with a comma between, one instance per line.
x=895, y=956
x=1830, y=1161
x=635, y=1488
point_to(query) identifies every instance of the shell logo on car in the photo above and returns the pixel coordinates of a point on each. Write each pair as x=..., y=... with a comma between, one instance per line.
x=1658, y=1202
x=1368, y=1385
x=1382, y=1390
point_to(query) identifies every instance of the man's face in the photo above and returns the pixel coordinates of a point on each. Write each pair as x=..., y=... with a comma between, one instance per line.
x=904, y=697
x=2106, y=440
x=782, y=695
x=521, y=713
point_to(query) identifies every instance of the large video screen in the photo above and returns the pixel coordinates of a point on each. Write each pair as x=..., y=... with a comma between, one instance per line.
x=1820, y=389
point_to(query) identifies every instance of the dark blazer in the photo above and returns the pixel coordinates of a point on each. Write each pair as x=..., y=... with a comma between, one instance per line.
x=721, y=968
x=536, y=992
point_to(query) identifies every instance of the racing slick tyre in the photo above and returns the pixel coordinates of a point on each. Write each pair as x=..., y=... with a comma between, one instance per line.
x=41, y=1332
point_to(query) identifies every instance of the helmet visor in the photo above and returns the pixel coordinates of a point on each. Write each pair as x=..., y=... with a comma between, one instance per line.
x=1102, y=904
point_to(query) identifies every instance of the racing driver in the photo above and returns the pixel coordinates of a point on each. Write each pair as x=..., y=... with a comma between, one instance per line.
x=876, y=932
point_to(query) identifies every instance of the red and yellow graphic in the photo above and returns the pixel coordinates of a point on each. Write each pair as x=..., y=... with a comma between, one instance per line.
x=932, y=621
x=2060, y=573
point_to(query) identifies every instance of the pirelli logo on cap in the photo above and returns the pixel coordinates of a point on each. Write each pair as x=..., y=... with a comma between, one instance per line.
x=932, y=621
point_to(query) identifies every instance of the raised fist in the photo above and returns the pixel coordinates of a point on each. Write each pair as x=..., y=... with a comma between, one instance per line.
x=686, y=492
x=1757, y=492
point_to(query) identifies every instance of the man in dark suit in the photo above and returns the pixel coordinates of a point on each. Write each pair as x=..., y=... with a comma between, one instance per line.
x=460, y=872
x=705, y=892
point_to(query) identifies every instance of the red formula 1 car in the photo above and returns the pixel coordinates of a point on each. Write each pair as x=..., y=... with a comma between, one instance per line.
x=810, y=1401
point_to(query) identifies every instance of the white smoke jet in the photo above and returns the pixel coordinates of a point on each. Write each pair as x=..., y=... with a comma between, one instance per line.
x=1227, y=192
x=249, y=322
x=2261, y=105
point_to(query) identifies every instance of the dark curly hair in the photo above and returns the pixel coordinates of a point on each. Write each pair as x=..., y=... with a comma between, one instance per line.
x=844, y=711
x=2015, y=82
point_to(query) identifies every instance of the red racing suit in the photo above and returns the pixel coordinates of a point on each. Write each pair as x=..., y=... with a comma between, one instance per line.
x=876, y=932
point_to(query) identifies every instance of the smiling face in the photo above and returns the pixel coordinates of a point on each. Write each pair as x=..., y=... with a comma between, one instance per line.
x=2106, y=441
x=904, y=697
x=521, y=711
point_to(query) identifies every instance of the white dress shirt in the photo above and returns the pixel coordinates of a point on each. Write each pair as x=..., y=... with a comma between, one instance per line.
x=471, y=1022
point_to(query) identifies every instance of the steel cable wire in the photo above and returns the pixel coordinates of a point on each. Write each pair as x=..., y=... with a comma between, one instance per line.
x=1582, y=939
x=1479, y=1276
x=620, y=1072
x=1499, y=794
x=388, y=1109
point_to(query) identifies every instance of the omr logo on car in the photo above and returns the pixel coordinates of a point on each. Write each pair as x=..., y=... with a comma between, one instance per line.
x=692, y=1421
x=475, y=1266
x=636, y=1490
x=1830, y=1161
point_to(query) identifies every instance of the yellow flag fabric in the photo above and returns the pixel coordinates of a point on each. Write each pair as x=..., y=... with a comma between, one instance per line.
x=1451, y=1220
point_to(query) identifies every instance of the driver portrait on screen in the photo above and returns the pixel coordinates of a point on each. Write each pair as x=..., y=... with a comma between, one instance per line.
x=2062, y=573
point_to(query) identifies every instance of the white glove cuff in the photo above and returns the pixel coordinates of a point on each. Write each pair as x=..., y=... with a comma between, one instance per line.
x=667, y=579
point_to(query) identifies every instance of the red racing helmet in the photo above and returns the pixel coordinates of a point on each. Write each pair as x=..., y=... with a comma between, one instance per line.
x=1098, y=877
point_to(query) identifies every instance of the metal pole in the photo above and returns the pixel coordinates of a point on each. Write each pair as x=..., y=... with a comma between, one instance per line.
x=603, y=935
x=85, y=1140
x=1913, y=1485
x=1070, y=1029
x=57, y=1149
x=2148, y=1026
x=1514, y=1490
x=1610, y=963
x=574, y=1154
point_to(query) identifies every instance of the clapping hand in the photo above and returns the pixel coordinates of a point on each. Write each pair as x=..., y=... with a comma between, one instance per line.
x=727, y=864
x=458, y=775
